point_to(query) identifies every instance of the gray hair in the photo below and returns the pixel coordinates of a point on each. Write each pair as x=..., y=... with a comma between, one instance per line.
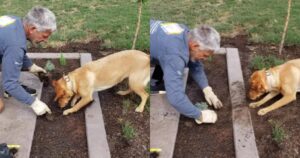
x=207, y=37
x=42, y=18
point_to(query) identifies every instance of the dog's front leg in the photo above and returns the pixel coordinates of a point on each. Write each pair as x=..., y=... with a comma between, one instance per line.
x=283, y=101
x=74, y=100
x=83, y=101
x=269, y=96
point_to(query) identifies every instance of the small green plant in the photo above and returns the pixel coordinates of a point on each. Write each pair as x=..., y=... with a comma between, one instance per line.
x=126, y=104
x=278, y=133
x=128, y=131
x=201, y=105
x=62, y=60
x=49, y=66
x=210, y=59
x=259, y=62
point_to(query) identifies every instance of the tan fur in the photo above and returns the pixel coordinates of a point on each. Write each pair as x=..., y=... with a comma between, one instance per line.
x=103, y=74
x=287, y=82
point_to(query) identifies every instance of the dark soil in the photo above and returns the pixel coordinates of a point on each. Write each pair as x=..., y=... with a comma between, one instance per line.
x=57, y=135
x=115, y=115
x=288, y=116
x=214, y=140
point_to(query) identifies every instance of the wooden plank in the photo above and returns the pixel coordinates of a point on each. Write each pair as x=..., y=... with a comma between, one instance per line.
x=244, y=138
x=17, y=121
x=164, y=121
x=54, y=55
x=95, y=129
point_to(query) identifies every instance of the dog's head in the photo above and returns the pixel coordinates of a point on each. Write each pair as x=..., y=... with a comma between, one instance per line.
x=258, y=84
x=62, y=93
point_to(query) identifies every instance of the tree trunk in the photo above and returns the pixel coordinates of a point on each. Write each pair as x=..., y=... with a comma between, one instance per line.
x=285, y=26
x=138, y=24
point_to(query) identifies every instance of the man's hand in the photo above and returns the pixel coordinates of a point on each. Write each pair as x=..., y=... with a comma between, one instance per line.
x=211, y=98
x=35, y=69
x=207, y=116
x=39, y=107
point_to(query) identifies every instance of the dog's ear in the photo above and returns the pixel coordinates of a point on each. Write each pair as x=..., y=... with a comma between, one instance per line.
x=59, y=94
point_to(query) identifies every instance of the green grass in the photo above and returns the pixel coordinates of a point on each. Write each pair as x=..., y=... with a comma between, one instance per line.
x=262, y=20
x=278, y=133
x=259, y=62
x=112, y=21
x=128, y=131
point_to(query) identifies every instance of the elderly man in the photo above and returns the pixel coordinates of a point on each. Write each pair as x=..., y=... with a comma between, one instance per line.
x=173, y=46
x=36, y=27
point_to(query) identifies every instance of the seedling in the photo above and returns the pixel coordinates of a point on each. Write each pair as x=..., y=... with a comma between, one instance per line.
x=278, y=133
x=128, y=131
x=49, y=66
x=126, y=105
x=62, y=60
x=210, y=59
x=201, y=105
x=259, y=62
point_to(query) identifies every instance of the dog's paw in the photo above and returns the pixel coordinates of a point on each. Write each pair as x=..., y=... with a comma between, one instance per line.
x=67, y=112
x=262, y=112
x=253, y=105
x=139, y=109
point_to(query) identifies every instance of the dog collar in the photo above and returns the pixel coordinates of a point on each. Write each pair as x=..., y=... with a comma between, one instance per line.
x=270, y=80
x=68, y=82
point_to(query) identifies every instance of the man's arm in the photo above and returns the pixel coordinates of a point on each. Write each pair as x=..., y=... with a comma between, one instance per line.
x=173, y=67
x=198, y=74
x=27, y=63
x=12, y=62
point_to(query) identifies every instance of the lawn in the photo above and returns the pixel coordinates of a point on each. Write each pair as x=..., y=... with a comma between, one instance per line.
x=262, y=20
x=112, y=21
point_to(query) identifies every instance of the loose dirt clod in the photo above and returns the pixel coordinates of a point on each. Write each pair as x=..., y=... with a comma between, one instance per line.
x=50, y=117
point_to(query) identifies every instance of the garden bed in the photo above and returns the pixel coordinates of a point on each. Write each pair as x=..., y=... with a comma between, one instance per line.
x=214, y=140
x=64, y=136
x=287, y=117
x=119, y=110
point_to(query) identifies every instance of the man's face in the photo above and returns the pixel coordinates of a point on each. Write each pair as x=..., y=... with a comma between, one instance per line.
x=196, y=53
x=36, y=36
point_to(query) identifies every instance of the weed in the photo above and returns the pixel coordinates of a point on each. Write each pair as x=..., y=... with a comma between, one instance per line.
x=128, y=131
x=259, y=62
x=278, y=133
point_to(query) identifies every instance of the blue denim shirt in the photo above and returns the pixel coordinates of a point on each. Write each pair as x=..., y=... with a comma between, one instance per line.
x=169, y=46
x=13, y=57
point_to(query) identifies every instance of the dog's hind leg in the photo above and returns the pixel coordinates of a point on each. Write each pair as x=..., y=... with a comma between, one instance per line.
x=269, y=96
x=124, y=92
x=138, y=82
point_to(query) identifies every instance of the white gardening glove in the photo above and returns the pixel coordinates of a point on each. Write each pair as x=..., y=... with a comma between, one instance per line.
x=207, y=116
x=211, y=98
x=35, y=69
x=39, y=107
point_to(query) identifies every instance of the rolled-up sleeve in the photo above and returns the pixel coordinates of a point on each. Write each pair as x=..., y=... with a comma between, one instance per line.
x=173, y=67
x=198, y=74
x=12, y=62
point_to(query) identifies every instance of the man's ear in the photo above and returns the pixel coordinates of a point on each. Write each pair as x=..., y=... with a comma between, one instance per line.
x=32, y=29
x=193, y=45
